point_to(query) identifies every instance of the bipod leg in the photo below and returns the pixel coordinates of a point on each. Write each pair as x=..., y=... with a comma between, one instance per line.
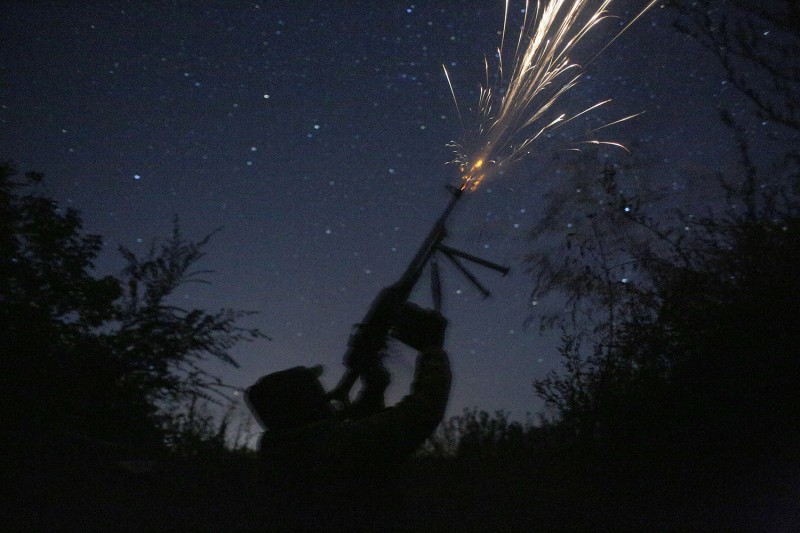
x=451, y=252
x=467, y=274
x=436, y=284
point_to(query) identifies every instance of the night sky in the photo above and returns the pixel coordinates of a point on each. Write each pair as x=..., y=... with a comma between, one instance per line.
x=314, y=134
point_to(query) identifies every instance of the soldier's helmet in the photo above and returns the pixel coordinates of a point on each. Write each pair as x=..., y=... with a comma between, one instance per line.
x=288, y=399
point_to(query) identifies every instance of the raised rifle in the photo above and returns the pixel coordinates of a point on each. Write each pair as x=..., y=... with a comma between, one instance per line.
x=369, y=337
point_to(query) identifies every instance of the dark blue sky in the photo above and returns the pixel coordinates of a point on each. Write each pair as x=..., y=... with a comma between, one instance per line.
x=315, y=134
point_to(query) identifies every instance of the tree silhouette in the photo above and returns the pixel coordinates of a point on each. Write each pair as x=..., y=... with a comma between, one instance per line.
x=89, y=358
x=681, y=330
x=687, y=335
x=756, y=44
x=170, y=342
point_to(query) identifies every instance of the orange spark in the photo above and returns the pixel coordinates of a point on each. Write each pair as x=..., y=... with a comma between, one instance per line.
x=513, y=115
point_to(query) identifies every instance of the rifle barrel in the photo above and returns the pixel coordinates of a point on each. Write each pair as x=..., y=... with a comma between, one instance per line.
x=430, y=244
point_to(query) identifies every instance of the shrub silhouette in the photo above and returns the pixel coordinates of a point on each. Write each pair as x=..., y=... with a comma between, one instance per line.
x=681, y=331
x=90, y=359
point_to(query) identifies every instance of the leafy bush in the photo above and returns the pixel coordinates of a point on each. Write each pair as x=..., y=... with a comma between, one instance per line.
x=95, y=359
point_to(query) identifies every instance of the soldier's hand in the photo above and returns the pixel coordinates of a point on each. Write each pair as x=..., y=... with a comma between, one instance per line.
x=419, y=328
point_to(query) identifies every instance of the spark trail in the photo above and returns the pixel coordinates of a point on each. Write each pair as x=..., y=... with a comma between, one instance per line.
x=514, y=114
x=542, y=72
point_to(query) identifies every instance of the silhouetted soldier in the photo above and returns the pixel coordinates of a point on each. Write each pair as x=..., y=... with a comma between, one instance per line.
x=307, y=436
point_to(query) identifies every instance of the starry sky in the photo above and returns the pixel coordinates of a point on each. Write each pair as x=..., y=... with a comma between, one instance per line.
x=314, y=134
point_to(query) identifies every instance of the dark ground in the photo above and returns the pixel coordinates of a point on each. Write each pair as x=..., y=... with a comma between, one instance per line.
x=497, y=495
